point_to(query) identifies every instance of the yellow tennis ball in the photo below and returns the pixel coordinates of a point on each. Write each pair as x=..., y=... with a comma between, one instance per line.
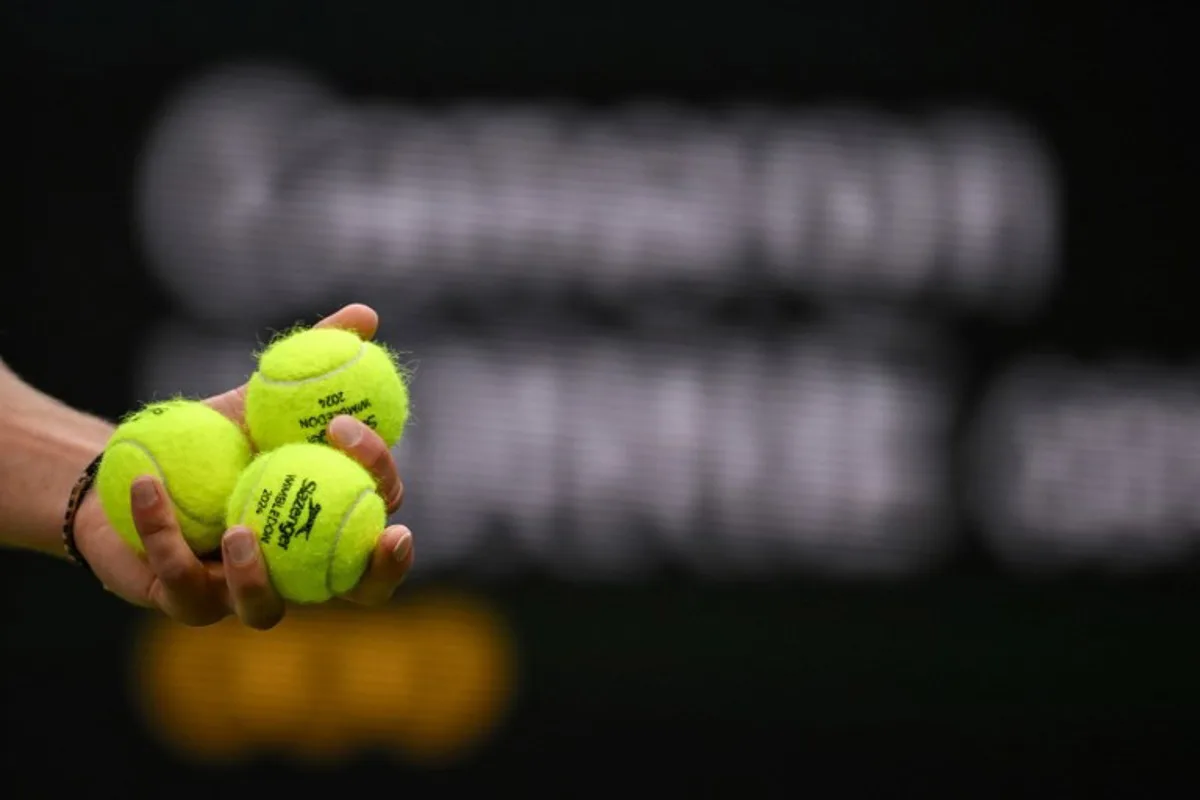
x=317, y=517
x=195, y=452
x=306, y=379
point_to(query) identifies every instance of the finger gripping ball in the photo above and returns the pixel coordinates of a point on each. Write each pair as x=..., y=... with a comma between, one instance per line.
x=306, y=379
x=194, y=451
x=317, y=517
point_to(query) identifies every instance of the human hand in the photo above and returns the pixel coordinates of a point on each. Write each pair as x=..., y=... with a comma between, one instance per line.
x=201, y=591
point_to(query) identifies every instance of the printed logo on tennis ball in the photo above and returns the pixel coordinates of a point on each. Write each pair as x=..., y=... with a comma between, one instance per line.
x=306, y=379
x=317, y=517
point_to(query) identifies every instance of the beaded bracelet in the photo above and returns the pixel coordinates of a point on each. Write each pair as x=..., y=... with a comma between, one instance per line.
x=81, y=487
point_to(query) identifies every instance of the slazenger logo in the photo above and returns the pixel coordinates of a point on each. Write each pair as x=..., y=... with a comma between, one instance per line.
x=291, y=526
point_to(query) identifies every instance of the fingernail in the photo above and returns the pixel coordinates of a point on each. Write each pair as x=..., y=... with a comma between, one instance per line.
x=345, y=431
x=240, y=547
x=404, y=546
x=144, y=493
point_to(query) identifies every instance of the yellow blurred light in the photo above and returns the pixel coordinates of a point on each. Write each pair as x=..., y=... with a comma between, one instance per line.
x=377, y=680
x=278, y=688
x=180, y=674
x=429, y=679
x=466, y=678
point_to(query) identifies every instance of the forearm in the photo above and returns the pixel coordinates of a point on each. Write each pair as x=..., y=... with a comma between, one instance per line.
x=44, y=446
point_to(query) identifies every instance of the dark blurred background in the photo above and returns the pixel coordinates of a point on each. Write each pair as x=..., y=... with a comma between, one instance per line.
x=805, y=402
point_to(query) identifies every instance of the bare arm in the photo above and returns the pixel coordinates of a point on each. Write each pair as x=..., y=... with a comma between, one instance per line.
x=44, y=446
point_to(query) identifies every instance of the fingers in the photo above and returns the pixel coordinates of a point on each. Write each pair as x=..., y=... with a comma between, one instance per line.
x=355, y=317
x=357, y=440
x=393, y=554
x=188, y=589
x=390, y=563
x=181, y=585
x=254, y=598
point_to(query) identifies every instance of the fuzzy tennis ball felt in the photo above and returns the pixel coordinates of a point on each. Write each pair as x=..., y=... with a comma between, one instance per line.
x=317, y=517
x=306, y=379
x=194, y=451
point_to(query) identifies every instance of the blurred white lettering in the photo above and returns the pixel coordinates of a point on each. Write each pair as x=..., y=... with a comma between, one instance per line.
x=959, y=206
x=1097, y=466
x=602, y=460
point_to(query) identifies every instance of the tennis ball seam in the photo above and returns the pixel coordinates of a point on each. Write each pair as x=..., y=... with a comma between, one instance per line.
x=350, y=362
x=337, y=536
x=162, y=478
x=250, y=492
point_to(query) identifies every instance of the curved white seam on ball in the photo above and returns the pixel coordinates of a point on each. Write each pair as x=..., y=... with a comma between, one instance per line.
x=301, y=381
x=163, y=478
x=250, y=494
x=337, y=537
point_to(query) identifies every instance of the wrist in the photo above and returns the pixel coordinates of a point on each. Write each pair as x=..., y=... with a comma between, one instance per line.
x=89, y=518
x=44, y=448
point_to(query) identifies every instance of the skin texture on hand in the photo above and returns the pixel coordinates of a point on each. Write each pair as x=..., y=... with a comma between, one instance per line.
x=202, y=591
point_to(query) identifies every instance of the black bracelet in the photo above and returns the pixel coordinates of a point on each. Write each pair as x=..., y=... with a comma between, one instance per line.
x=81, y=488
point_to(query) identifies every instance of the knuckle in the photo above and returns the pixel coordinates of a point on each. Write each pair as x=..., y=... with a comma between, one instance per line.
x=371, y=597
x=172, y=570
x=379, y=590
x=251, y=584
x=157, y=530
x=151, y=524
x=377, y=457
x=156, y=595
x=262, y=619
x=205, y=618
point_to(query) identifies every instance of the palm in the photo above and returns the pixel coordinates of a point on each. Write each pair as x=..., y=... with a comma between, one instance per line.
x=128, y=575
